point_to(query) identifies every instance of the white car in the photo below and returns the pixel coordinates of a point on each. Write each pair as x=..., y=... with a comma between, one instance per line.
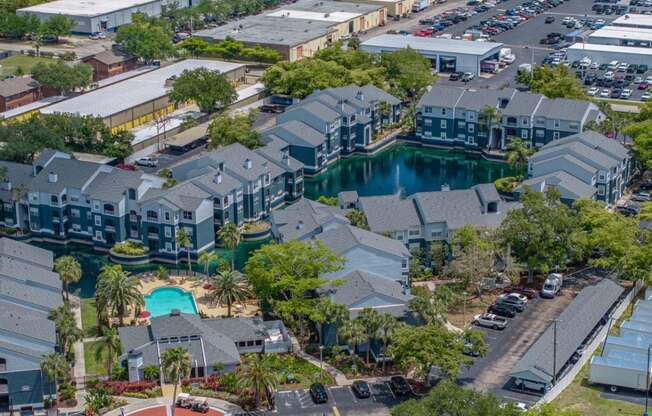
x=626, y=93
x=147, y=161
x=509, y=59
x=490, y=320
x=648, y=80
x=518, y=296
x=604, y=93
x=594, y=65
x=468, y=76
x=646, y=96
x=592, y=91
x=638, y=80
x=609, y=75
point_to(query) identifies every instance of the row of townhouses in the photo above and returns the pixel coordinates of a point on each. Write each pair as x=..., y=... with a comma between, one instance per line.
x=60, y=199
x=334, y=122
x=29, y=291
x=454, y=116
x=584, y=165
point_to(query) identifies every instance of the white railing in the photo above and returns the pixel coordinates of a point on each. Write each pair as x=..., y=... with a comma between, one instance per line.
x=590, y=349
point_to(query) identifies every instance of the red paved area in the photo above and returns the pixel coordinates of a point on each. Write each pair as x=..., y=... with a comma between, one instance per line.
x=160, y=411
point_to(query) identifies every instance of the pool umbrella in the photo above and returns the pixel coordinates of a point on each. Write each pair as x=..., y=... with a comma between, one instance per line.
x=144, y=314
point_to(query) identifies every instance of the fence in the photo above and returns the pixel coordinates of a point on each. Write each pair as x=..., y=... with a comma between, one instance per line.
x=597, y=341
x=175, y=272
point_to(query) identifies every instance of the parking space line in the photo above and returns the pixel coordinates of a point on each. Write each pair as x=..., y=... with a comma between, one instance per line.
x=335, y=411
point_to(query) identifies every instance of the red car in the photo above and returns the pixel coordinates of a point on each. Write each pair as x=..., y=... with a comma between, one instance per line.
x=125, y=166
x=525, y=291
x=643, y=86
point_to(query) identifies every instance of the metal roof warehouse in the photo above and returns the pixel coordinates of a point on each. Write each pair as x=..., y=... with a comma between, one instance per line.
x=608, y=53
x=134, y=101
x=625, y=36
x=447, y=55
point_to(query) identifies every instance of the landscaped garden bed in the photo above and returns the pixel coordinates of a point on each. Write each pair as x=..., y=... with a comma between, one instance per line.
x=352, y=365
x=129, y=253
x=257, y=230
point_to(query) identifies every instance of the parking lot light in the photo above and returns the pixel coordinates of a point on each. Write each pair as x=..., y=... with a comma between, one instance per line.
x=321, y=357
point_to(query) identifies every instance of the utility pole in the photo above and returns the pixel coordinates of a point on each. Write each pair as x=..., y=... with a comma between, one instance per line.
x=554, y=351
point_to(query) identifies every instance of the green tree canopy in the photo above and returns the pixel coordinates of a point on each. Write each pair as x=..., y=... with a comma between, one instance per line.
x=63, y=77
x=554, y=82
x=210, y=90
x=146, y=38
x=226, y=129
x=407, y=72
x=16, y=26
x=56, y=26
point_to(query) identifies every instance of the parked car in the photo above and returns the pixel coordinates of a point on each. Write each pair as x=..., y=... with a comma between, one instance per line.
x=147, y=161
x=552, y=285
x=518, y=304
x=200, y=407
x=489, y=320
x=272, y=108
x=592, y=91
x=399, y=386
x=646, y=96
x=628, y=209
x=468, y=76
x=455, y=76
x=550, y=19
x=503, y=310
x=184, y=401
x=530, y=293
x=361, y=389
x=515, y=295
x=126, y=166
x=641, y=197
x=318, y=393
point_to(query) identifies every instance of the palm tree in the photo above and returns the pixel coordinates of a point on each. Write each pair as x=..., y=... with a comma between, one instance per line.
x=66, y=326
x=175, y=363
x=69, y=271
x=206, y=258
x=229, y=287
x=183, y=240
x=229, y=235
x=331, y=313
x=258, y=374
x=370, y=320
x=119, y=290
x=384, y=110
x=110, y=342
x=518, y=154
x=490, y=116
x=388, y=325
x=353, y=332
x=55, y=367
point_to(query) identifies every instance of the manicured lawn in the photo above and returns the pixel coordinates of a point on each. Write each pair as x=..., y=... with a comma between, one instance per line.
x=95, y=365
x=295, y=372
x=10, y=64
x=89, y=317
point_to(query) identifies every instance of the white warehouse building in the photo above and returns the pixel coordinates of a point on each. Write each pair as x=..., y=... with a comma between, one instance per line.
x=100, y=15
x=622, y=36
x=607, y=53
x=643, y=21
x=446, y=55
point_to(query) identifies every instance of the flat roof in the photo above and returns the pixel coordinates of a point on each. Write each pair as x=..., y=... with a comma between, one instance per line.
x=624, y=33
x=618, y=49
x=336, y=17
x=326, y=6
x=188, y=136
x=436, y=45
x=87, y=8
x=31, y=107
x=633, y=20
x=121, y=96
x=269, y=30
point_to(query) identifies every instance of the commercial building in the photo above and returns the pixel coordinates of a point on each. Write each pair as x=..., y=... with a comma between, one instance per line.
x=110, y=63
x=643, y=21
x=101, y=16
x=333, y=122
x=394, y=7
x=134, y=101
x=91, y=203
x=446, y=55
x=546, y=359
x=622, y=36
x=452, y=116
x=208, y=341
x=20, y=91
x=606, y=53
x=29, y=291
x=301, y=29
x=583, y=165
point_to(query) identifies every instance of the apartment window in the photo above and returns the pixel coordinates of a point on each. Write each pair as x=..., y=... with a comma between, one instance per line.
x=259, y=342
x=436, y=234
x=414, y=233
x=574, y=126
x=524, y=134
x=54, y=200
x=167, y=216
x=132, y=193
x=460, y=124
x=428, y=121
x=250, y=343
x=187, y=215
x=525, y=121
x=98, y=234
x=428, y=110
x=471, y=116
x=76, y=228
x=555, y=135
x=540, y=134
x=74, y=199
x=96, y=205
x=152, y=215
x=511, y=120
x=556, y=124
x=226, y=200
x=33, y=211
x=471, y=128
x=108, y=208
x=443, y=111
x=89, y=229
x=168, y=246
x=443, y=124
x=168, y=232
x=540, y=122
x=601, y=190
x=74, y=213
x=404, y=263
x=98, y=221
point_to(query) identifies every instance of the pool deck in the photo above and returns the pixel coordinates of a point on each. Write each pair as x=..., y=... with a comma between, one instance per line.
x=199, y=293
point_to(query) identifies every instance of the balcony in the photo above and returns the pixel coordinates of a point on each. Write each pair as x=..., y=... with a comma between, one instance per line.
x=4, y=389
x=133, y=218
x=109, y=228
x=153, y=236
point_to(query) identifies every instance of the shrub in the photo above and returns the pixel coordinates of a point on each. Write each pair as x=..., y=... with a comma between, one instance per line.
x=129, y=248
x=68, y=56
x=507, y=184
x=118, y=388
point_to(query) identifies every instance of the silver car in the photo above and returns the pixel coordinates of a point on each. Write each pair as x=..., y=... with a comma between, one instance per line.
x=489, y=320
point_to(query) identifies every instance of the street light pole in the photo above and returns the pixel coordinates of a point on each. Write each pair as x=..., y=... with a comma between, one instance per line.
x=321, y=358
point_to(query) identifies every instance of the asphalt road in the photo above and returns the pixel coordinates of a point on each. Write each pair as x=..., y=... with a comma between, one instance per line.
x=491, y=372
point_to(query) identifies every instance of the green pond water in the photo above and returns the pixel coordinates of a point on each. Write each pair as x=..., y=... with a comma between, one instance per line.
x=406, y=169
x=92, y=262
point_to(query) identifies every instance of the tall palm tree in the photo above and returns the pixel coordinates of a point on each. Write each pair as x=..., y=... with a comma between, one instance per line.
x=370, y=320
x=352, y=332
x=229, y=235
x=69, y=271
x=66, y=326
x=119, y=290
x=384, y=110
x=205, y=259
x=490, y=116
x=257, y=374
x=229, y=287
x=518, y=154
x=183, y=240
x=331, y=313
x=175, y=363
x=110, y=341
x=388, y=325
x=55, y=367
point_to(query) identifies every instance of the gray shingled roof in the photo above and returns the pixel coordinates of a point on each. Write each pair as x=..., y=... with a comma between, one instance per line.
x=111, y=57
x=344, y=238
x=589, y=155
x=595, y=140
x=28, y=253
x=234, y=157
x=21, y=350
x=27, y=322
x=523, y=104
x=576, y=322
x=317, y=109
x=17, y=174
x=563, y=109
x=275, y=150
x=441, y=96
x=19, y=85
x=567, y=158
x=23, y=271
x=477, y=100
x=239, y=329
x=113, y=184
x=30, y=295
x=297, y=133
x=304, y=219
x=389, y=213
x=209, y=184
x=186, y=196
x=71, y=174
x=568, y=185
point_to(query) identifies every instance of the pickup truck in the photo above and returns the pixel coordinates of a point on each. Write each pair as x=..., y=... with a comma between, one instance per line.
x=490, y=320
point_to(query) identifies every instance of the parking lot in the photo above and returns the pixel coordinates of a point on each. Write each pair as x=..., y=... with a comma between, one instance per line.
x=340, y=399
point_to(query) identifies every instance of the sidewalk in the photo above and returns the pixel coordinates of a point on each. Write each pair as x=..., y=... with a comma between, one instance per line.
x=79, y=370
x=340, y=378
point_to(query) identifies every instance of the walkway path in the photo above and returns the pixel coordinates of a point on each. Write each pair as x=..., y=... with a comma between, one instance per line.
x=79, y=370
x=340, y=378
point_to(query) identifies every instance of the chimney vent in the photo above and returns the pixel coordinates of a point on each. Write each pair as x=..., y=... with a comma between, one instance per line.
x=247, y=163
x=53, y=177
x=218, y=177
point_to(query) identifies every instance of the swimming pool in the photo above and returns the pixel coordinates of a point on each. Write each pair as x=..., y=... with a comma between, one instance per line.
x=162, y=300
